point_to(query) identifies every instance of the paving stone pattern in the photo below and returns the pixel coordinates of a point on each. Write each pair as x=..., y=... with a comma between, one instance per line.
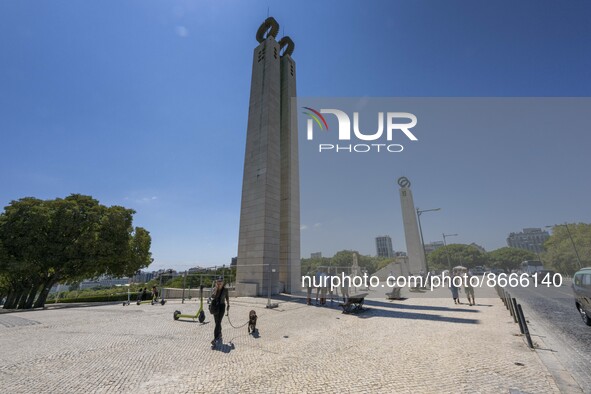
x=419, y=345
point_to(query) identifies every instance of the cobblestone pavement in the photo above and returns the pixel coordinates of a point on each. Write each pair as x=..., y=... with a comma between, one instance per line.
x=421, y=344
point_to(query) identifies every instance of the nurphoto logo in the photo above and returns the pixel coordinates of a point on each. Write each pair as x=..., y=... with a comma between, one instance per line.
x=395, y=122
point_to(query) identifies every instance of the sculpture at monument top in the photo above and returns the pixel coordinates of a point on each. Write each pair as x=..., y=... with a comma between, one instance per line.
x=270, y=28
x=403, y=182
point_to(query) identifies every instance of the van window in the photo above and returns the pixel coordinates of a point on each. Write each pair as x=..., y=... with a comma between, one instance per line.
x=578, y=279
x=586, y=279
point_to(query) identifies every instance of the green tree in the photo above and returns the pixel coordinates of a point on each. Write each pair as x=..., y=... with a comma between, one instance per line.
x=70, y=239
x=458, y=254
x=311, y=265
x=560, y=252
x=509, y=258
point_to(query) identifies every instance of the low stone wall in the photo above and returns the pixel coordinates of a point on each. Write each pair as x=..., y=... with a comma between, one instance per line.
x=174, y=293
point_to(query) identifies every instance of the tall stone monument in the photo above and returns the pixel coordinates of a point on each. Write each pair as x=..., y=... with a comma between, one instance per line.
x=269, y=236
x=414, y=249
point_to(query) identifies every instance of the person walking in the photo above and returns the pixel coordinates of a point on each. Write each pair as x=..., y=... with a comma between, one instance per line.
x=220, y=303
x=455, y=292
x=469, y=290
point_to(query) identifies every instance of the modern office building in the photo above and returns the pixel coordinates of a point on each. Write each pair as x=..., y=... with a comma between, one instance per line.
x=531, y=239
x=384, y=246
x=316, y=255
x=433, y=246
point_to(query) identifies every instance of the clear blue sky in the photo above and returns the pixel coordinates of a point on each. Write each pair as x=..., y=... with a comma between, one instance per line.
x=144, y=103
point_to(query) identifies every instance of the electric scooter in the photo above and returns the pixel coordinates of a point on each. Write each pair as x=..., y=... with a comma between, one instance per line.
x=200, y=315
x=125, y=303
x=153, y=301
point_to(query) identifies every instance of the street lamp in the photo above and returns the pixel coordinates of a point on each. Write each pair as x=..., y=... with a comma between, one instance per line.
x=446, y=250
x=269, y=304
x=572, y=241
x=419, y=212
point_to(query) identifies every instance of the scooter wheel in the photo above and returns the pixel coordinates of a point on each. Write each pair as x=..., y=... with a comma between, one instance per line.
x=176, y=315
x=138, y=302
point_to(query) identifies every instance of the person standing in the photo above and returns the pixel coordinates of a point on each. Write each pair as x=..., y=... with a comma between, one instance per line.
x=309, y=289
x=318, y=284
x=324, y=288
x=220, y=303
x=345, y=290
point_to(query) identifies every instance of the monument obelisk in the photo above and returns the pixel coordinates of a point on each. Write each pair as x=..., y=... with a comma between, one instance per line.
x=414, y=249
x=269, y=235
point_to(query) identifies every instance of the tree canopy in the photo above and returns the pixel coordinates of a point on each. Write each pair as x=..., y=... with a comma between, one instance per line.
x=561, y=249
x=456, y=254
x=566, y=241
x=509, y=258
x=43, y=242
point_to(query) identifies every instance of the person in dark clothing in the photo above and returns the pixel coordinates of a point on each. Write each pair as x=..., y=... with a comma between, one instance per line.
x=144, y=294
x=221, y=303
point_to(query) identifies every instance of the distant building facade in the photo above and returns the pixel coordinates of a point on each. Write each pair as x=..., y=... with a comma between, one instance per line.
x=433, y=246
x=103, y=281
x=531, y=239
x=384, y=246
x=316, y=255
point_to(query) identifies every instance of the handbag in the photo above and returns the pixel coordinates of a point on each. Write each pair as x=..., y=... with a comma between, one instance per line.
x=213, y=306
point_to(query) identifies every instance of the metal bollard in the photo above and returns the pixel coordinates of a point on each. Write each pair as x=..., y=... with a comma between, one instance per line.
x=519, y=320
x=512, y=309
x=525, y=329
x=509, y=304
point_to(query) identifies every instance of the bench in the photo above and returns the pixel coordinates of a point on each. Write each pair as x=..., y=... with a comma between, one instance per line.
x=354, y=303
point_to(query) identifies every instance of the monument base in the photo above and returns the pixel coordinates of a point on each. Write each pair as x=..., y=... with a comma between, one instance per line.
x=247, y=289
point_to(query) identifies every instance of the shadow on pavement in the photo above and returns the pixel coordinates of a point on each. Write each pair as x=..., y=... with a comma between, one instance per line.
x=224, y=347
x=49, y=307
x=419, y=307
x=392, y=310
x=369, y=313
x=193, y=321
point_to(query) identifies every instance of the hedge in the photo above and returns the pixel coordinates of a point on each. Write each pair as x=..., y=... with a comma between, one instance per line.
x=96, y=298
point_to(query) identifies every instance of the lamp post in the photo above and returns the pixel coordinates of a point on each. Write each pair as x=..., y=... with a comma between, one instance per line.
x=269, y=304
x=419, y=212
x=572, y=242
x=447, y=251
